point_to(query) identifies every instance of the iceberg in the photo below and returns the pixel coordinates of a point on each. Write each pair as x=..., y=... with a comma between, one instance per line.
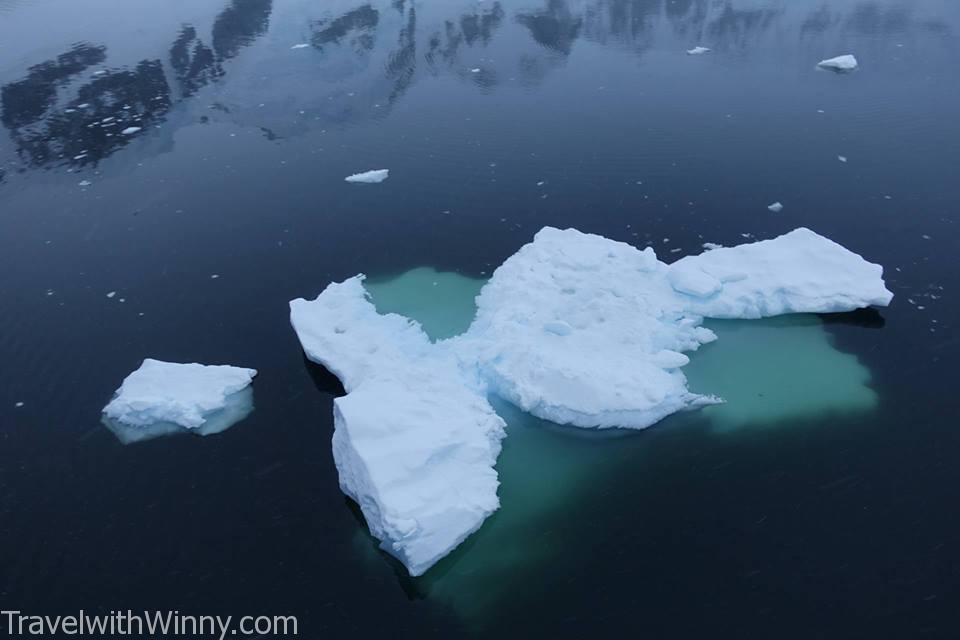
x=369, y=177
x=840, y=63
x=160, y=398
x=574, y=328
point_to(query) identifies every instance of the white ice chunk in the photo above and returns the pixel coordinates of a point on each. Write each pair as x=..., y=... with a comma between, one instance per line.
x=129, y=131
x=162, y=397
x=840, y=63
x=302, y=45
x=697, y=51
x=415, y=440
x=796, y=273
x=369, y=177
x=776, y=207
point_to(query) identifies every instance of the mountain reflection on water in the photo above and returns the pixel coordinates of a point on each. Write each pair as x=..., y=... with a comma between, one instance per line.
x=69, y=110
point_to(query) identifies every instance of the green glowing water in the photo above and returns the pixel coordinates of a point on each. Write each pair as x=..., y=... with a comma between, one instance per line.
x=771, y=372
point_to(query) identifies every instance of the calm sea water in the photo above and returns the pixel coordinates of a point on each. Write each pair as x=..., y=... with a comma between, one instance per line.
x=830, y=517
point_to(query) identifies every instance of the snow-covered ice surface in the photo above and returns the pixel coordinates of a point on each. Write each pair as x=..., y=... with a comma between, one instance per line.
x=573, y=328
x=369, y=177
x=840, y=63
x=799, y=272
x=165, y=397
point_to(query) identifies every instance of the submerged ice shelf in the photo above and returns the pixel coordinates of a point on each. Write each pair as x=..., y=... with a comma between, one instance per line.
x=160, y=398
x=552, y=478
x=573, y=328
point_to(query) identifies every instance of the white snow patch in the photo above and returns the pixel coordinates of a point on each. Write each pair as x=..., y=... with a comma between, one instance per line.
x=369, y=177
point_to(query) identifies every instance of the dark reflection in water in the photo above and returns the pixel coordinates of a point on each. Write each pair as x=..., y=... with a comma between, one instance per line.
x=27, y=101
x=242, y=22
x=356, y=27
x=194, y=62
x=444, y=45
x=90, y=126
x=553, y=27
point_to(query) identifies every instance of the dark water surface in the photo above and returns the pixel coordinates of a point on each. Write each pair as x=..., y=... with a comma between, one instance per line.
x=835, y=523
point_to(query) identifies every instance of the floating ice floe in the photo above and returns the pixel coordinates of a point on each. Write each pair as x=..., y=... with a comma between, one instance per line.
x=776, y=207
x=475, y=70
x=574, y=328
x=840, y=63
x=842, y=158
x=84, y=183
x=302, y=45
x=369, y=177
x=129, y=131
x=697, y=51
x=415, y=440
x=165, y=397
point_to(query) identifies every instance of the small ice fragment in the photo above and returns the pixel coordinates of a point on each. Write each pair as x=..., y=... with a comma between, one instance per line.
x=214, y=276
x=475, y=70
x=369, y=177
x=710, y=246
x=842, y=158
x=697, y=51
x=111, y=294
x=18, y=405
x=541, y=183
x=302, y=45
x=84, y=183
x=840, y=63
x=776, y=207
x=83, y=106
x=164, y=397
x=129, y=131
